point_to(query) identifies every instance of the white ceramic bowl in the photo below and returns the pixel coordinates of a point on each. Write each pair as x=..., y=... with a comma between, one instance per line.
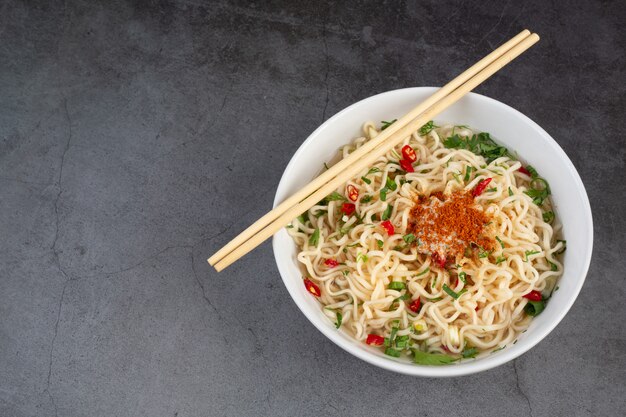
x=508, y=127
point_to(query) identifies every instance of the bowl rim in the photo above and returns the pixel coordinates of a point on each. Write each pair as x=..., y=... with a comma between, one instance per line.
x=464, y=368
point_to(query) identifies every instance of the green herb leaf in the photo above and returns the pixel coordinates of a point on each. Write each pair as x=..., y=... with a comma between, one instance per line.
x=463, y=277
x=510, y=192
x=500, y=242
x=434, y=300
x=373, y=170
x=548, y=216
x=335, y=196
x=380, y=243
x=470, y=353
x=396, y=285
x=365, y=180
x=433, y=359
x=366, y=199
x=385, y=124
x=468, y=173
x=500, y=259
x=387, y=213
x=315, y=237
x=453, y=294
x=490, y=190
x=533, y=172
x=392, y=352
x=403, y=297
x=345, y=272
x=402, y=342
x=424, y=130
x=391, y=184
x=361, y=257
x=409, y=238
x=534, y=308
x=339, y=319
x=480, y=144
x=383, y=194
x=530, y=252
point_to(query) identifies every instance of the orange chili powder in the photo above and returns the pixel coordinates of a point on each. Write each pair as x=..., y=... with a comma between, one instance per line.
x=447, y=225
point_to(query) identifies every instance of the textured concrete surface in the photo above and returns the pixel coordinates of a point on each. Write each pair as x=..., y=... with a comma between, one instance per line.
x=135, y=140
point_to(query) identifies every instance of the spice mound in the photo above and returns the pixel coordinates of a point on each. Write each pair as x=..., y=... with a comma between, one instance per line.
x=450, y=225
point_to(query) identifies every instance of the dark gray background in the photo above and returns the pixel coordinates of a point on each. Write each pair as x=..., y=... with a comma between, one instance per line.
x=136, y=139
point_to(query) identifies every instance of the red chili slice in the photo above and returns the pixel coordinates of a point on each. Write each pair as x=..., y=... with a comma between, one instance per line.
x=409, y=153
x=533, y=295
x=524, y=171
x=312, y=287
x=331, y=263
x=439, y=260
x=406, y=165
x=480, y=187
x=374, y=340
x=415, y=305
x=388, y=227
x=353, y=193
x=348, y=208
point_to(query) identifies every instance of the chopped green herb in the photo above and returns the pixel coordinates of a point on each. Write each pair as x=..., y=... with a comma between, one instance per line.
x=423, y=272
x=335, y=196
x=392, y=352
x=383, y=194
x=563, y=248
x=468, y=173
x=470, y=352
x=433, y=282
x=387, y=213
x=366, y=199
x=365, y=180
x=339, y=319
x=463, y=277
x=345, y=272
x=304, y=217
x=510, y=192
x=548, y=216
x=424, y=130
x=385, y=124
x=391, y=184
x=434, y=300
x=457, y=177
x=395, y=155
x=409, y=238
x=500, y=242
x=435, y=359
x=500, y=259
x=553, y=266
x=315, y=237
x=402, y=342
x=373, y=170
x=451, y=292
x=529, y=253
x=533, y=172
x=289, y=226
x=482, y=253
x=380, y=243
x=480, y=144
x=490, y=190
x=361, y=257
x=534, y=308
x=397, y=285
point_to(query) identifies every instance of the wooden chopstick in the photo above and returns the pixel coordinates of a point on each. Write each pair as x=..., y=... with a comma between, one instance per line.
x=316, y=190
x=368, y=147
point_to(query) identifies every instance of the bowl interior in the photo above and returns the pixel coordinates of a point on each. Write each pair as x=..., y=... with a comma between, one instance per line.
x=509, y=128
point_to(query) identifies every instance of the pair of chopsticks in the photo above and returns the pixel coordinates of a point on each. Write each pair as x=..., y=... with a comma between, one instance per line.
x=367, y=154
